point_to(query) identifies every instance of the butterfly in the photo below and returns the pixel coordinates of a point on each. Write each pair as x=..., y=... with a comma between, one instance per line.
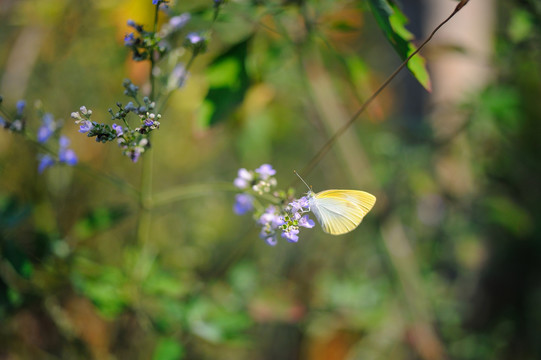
x=339, y=211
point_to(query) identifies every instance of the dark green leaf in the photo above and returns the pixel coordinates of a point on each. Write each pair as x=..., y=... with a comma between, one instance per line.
x=228, y=84
x=393, y=23
x=98, y=220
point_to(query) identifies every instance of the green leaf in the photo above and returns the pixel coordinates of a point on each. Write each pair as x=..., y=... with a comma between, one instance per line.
x=509, y=215
x=105, y=286
x=98, y=220
x=229, y=82
x=393, y=23
x=520, y=26
x=162, y=284
x=168, y=349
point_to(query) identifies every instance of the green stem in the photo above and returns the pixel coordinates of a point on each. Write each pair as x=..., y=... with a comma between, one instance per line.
x=144, y=222
x=184, y=192
x=126, y=123
x=190, y=191
x=156, y=11
x=152, y=80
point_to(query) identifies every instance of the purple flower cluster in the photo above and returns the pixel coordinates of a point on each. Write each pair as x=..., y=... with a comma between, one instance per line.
x=66, y=155
x=243, y=204
x=83, y=119
x=18, y=124
x=179, y=21
x=285, y=217
x=162, y=4
x=146, y=45
x=271, y=222
x=285, y=221
x=260, y=180
x=47, y=128
x=140, y=42
x=133, y=141
x=295, y=217
x=21, y=104
x=118, y=129
x=45, y=161
x=129, y=40
x=196, y=42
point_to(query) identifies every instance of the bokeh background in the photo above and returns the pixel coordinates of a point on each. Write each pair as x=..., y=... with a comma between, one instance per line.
x=446, y=266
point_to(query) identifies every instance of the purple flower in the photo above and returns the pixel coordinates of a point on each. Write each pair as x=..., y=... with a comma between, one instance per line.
x=2, y=122
x=67, y=156
x=155, y=2
x=45, y=162
x=195, y=38
x=178, y=22
x=299, y=205
x=131, y=23
x=271, y=240
x=64, y=141
x=271, y=218
x=129, y=40
x=149, y=122
x=130, y=107
x=135, y=154
x=306, y=222
x=48, y=120
x=118, y=129
x=291, y=234
x=243, y=204
x=244, y=177
x=86, y=126
x=20, y=107
x=44, y=133
x=265, y=171
x=47, y=129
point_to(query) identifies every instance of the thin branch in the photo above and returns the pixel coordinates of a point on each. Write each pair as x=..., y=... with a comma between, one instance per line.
x=188, y=191
x=327, y=146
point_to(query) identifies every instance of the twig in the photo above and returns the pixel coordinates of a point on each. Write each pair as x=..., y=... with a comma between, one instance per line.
x=327, y=146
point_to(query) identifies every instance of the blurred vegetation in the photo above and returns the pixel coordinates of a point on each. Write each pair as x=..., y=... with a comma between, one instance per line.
x=446, y=266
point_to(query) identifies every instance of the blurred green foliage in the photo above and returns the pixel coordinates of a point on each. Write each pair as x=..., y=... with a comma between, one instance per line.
x=446, y=266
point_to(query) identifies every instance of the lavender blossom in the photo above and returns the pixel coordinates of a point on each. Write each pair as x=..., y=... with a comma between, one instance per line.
x=178, y=22
x=85, y=126
x=243, y=204
x=45, y=161
x=265, y=171
x=243, y=179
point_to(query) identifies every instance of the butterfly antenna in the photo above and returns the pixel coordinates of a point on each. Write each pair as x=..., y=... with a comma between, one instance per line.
x=296, y=173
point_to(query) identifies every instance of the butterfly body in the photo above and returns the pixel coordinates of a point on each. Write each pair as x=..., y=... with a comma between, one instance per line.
x=340, y=211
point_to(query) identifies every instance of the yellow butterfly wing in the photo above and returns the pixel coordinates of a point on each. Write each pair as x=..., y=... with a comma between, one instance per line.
x=341, y=211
